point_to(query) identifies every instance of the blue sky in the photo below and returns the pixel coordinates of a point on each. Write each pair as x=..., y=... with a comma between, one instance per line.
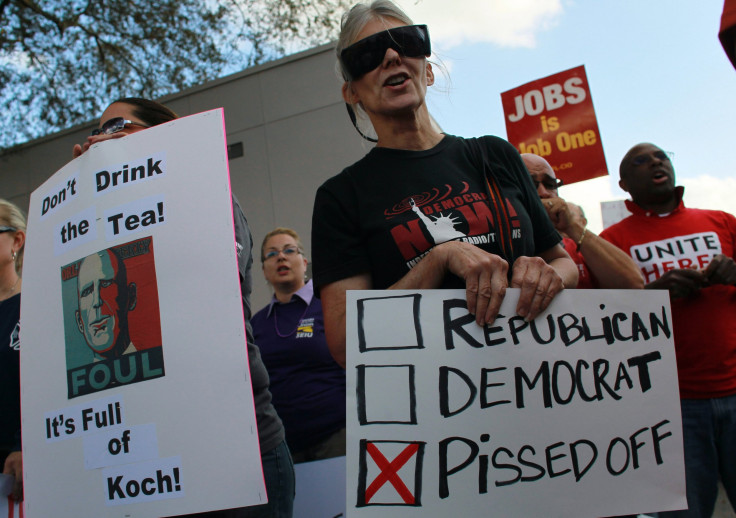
x=656, y=69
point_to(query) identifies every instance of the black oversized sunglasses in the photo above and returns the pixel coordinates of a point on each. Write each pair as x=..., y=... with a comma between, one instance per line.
x=115, y=125
x=365, y=55
x=551, y=184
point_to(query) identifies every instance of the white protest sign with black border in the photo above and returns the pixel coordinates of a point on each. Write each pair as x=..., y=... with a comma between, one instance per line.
x=575, y=414
x=136, y=392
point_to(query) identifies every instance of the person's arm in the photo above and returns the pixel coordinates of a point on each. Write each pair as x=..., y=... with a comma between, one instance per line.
x=485, y=277
x=333, y=311
x=612, y=267
x=485, y=286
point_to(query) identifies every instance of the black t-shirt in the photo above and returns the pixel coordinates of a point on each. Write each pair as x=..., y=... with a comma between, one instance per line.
x=385, y=212
x=9, y=375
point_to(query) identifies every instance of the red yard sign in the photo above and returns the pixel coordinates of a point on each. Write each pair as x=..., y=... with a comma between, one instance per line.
x=554, y=117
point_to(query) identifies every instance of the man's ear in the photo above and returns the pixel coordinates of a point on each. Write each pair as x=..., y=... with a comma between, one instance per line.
x=80, y=324
x=430, y=74
x=132, y=296
x=348, y=94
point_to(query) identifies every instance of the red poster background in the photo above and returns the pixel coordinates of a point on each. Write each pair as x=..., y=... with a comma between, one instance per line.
x=144, y=323
x=554, y=117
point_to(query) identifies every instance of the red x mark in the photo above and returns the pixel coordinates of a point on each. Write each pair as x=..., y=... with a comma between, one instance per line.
x=389, y=472
x=11, y=509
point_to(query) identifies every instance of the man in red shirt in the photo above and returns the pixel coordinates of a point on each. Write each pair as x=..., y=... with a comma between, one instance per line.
x=690, y=253
x=600, y=264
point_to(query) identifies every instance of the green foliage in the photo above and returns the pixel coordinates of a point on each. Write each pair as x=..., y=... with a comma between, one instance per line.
x=63, y=61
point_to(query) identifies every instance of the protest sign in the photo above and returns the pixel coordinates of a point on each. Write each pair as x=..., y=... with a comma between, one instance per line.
x=10, y=508
x=575, y=414
x=553, y=117
x=320, y=488
x=136, y=391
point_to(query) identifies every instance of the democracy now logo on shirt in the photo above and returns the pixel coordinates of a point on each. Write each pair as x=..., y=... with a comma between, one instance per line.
x=447, y=216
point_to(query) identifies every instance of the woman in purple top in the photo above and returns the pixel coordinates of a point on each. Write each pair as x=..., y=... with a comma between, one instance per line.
x=308, y=387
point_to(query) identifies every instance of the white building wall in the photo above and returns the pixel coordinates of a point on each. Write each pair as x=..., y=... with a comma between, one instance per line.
x=290, y=119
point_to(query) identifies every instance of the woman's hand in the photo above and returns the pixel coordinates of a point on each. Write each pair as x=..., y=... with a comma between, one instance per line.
x=539, y=283
x=486, y=280
x=79, y=149
x=485, y=277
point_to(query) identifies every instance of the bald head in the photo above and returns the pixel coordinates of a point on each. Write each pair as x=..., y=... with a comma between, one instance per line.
x=537, y=164
x=542, y=174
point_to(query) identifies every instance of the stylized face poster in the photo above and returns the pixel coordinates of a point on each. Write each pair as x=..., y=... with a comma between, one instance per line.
x=104, y=423
x=112, y=324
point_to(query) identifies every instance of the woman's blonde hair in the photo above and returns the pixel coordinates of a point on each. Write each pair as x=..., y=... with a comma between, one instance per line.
x=12, y=216
x=278, y=231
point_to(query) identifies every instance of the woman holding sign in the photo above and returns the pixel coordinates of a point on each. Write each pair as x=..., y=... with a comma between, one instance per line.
x=130, y=115
x=423, y=209
x=12, y=241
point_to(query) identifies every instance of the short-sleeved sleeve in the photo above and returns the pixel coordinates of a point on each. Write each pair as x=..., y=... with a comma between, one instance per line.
x=338, y=245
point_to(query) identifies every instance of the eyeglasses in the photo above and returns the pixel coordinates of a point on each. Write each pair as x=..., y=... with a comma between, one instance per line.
x=288, y=251
x=114, y=125
x=4, y=229
x=551, y=184
x=646, y=158
x=365, y=55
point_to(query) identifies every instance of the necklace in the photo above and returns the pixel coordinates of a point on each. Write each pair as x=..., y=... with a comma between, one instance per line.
x=298, y=321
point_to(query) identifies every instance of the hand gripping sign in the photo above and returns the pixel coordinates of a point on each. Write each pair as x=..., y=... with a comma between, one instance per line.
x=553, y=117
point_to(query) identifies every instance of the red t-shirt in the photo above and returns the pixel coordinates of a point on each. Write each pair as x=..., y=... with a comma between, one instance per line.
x=586, y=281
x=704, y=323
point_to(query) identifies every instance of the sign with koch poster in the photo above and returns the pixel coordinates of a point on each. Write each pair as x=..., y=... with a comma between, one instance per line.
x=553, y=117
x=134, y=343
